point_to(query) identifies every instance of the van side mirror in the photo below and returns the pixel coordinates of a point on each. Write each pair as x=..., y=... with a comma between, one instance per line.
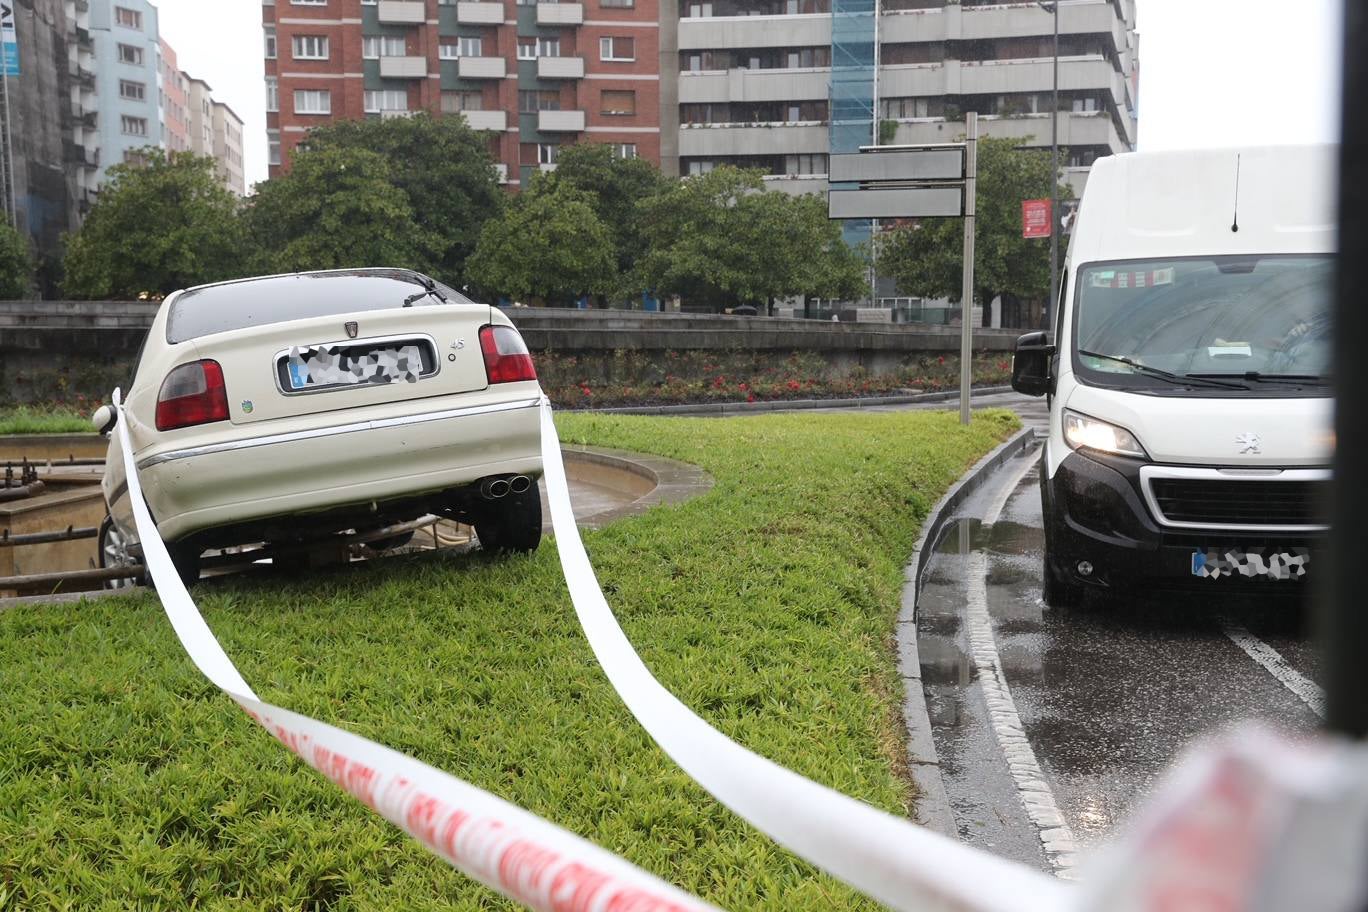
x=1031, y=364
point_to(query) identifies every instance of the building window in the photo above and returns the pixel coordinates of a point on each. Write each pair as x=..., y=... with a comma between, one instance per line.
x=546, y=153
x=273, y=148
x=130, y=54
x=625, y=150
x=456, y=102
x=385, y=100
x=310, y=47
x=531, y=101
x=134, y=126
x=374, y=47
x=272, y=94
x=308, y=2
x=472, y=46
x=312, y=101
x=448, y=50
x=815, y=163
x=452, y=48
x=134, y=91
x=617, y=49
x=270, y=44
x=617, y=4
x=618, y=104
x=128, y=18
x=532, y=48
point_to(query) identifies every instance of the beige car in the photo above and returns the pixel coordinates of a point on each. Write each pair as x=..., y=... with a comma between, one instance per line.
x=288, y=409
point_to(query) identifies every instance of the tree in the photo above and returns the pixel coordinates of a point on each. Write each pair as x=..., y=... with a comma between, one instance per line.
x=16, y=264
x=720, y=238
x=614, y=187
x=926, y=258
x=443, y=169
x=549, y=244
x=336, y=208
x=160, y=223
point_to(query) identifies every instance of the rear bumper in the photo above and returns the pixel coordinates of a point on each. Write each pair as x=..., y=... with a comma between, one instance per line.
x=1097, y=513
x=229, y=483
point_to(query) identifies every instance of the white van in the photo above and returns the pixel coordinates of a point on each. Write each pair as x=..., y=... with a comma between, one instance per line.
x=1188, y=373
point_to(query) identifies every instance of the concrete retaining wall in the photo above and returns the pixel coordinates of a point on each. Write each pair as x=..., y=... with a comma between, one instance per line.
x=50, y=349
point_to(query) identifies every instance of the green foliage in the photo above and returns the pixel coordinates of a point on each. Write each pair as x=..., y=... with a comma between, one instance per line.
x=336, y=208
x=615, y=188
x=767, y=605
x=25, y=420
x=16, y=264
x=888, y=130
x=549, y=245
x=721, y=238
x=159, y=224
x=443, y=169
x=927, y=258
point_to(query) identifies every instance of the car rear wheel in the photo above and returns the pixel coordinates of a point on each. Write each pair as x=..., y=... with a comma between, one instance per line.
x=511, y=523
x=113, y=552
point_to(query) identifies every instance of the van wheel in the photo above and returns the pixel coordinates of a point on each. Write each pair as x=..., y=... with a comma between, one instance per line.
x=511, y=523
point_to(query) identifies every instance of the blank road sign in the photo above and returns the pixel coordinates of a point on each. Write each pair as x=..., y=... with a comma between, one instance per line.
x=903, y=165
x=919, y=202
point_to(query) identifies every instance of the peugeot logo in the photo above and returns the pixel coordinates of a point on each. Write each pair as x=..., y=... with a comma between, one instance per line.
x=352, y=328
x=1248, y=443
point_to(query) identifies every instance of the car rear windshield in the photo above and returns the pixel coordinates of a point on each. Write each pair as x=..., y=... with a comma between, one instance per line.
x=281, y=299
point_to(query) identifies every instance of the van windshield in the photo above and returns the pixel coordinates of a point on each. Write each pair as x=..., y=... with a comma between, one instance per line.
x=1249, y=321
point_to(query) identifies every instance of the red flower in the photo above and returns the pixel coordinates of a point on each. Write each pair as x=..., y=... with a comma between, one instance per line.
x=742, y=386
x=794, y=384
x=750, y=397
x=940, y=360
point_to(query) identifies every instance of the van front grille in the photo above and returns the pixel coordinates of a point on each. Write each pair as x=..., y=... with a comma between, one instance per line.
x=1244, y=503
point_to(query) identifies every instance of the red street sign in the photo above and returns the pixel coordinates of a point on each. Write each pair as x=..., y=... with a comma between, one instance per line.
x=1035, y=218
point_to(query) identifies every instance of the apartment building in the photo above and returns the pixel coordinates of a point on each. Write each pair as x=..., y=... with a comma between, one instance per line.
x=175, y=97
x=780, y=84
x=226, y=130
x=127, y=79
x=533, y=76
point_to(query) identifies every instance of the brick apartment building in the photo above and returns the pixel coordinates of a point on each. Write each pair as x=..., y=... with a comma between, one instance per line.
x=534, y=76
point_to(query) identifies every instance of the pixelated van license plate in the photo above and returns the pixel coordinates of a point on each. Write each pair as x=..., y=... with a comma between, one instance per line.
x=329, y=367
x=1257, y=563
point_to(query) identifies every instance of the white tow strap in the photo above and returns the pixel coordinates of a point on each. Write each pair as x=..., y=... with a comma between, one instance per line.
x=499, y=844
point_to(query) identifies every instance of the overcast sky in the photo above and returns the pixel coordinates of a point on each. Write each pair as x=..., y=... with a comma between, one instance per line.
x=1212, y=72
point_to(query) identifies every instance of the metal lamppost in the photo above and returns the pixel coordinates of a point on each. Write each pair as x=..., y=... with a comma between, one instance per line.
x=1053, y=8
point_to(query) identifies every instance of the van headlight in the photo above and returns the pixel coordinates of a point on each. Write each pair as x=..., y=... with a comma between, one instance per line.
x=1080, y=431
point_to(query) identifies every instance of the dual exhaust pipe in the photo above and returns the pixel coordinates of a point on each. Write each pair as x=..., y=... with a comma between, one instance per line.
x=494, y=488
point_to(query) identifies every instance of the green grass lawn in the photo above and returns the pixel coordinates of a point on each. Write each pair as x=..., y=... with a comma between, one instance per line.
x=767, y=605
x=25, y=420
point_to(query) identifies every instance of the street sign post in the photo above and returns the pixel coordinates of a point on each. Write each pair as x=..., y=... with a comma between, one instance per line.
x=936, y=181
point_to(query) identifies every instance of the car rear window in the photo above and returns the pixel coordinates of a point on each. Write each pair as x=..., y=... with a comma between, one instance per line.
x=280, y=299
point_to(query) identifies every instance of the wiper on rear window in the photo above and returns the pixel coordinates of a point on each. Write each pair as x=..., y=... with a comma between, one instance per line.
x=429, y=290
x=1256, y=377
x=1180, y=379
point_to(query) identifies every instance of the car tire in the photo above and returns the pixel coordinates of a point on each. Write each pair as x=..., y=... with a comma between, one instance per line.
x=511, y=523
x=1057, y=589
x=112, y=551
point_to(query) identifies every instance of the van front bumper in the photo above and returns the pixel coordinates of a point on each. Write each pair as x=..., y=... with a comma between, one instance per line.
x=1098, y=521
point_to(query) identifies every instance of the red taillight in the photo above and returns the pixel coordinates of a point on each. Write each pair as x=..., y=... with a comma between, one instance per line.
x=505, y=355
x=192, y=394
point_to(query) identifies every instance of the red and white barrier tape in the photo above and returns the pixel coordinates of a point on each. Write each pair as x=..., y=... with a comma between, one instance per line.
x=904, y=866
x=499, y=844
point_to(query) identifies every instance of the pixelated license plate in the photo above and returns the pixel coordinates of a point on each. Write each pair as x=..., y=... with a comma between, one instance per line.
x=330, y=367
x=1255, y=563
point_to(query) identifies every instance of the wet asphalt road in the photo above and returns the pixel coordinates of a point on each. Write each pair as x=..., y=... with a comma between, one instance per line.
x=1108, y=693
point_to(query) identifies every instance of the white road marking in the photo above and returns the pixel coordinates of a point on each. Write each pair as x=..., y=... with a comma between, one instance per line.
x=1272, y=662
x=1056, y=837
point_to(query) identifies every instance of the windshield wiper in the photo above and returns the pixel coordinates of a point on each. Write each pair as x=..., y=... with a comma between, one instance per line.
x=1180, y=379
x=1256, y=377
x=429, y=290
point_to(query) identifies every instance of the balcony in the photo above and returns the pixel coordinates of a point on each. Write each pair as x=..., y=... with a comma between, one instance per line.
x=403, y=67
x=402, y=12
x=754, y=31
x=473, y=12
x=995, y=77
x=743, y=139
x=560, y=121
x=560, y=13
x=1082, y=129
x=758, y=85
x=487, y=120
x=481, y=67
x=560, y=67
